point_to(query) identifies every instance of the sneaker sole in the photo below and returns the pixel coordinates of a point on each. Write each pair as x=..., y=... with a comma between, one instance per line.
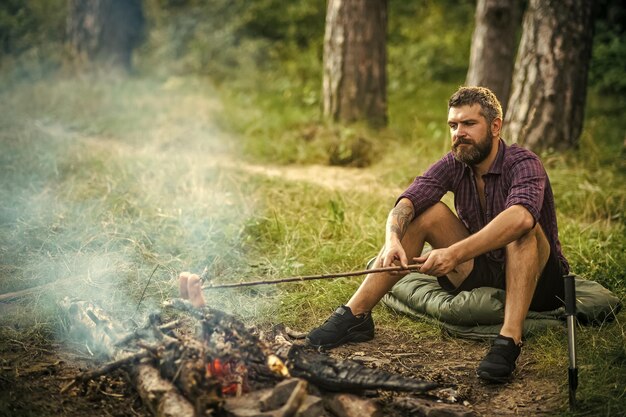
x=499, y=379
x=354, y=338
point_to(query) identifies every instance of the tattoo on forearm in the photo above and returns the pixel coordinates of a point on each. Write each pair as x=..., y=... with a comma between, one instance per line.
x=395, y=229
x=401, y=216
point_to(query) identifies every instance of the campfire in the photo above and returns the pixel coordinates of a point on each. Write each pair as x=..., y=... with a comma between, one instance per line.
x=205, y=362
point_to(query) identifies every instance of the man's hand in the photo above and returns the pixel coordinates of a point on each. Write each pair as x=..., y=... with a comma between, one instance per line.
x=392, y=254
x=438, y=262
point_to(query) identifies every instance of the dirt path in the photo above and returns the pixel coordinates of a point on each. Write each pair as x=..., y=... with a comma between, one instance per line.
x=329, y=177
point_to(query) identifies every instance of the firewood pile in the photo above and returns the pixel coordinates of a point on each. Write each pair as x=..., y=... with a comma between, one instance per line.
x=205, y=362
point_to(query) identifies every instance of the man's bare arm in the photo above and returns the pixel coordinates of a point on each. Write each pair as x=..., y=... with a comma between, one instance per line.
x=398, y=220
x=397, y=224
x=506, y=227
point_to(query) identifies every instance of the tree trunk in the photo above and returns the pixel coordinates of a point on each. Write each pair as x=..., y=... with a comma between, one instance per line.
x=355, y=61
x=493, y=46
x=546, y=106
x=106, y=31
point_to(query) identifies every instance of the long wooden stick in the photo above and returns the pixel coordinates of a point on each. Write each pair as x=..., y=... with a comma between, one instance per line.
x=413, y=267
x=28, y=291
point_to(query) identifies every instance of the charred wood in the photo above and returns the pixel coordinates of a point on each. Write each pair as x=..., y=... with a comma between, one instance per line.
x=229, y=369
x=347, y=375
x=421, y=407
x=87, y=321
x=144, y=332
x=288, y=399
x=226, y=334
x=106, y=369
x=185, y=365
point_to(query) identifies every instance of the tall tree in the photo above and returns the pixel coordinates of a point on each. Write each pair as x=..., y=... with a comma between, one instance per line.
x=355, y=61
x=547, y=102
x=104, y=30
x=493, y=46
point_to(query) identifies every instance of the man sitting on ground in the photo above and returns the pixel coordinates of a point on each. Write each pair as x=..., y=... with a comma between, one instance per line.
x=505, y=235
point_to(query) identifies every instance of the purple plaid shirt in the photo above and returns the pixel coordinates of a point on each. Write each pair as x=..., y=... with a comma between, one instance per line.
x=516, y=177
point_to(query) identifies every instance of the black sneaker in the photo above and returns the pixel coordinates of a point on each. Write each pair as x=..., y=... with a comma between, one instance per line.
x=499, y=363
x=342, y=327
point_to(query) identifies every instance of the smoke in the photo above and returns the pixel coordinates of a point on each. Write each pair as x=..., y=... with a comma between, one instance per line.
x=104, y=179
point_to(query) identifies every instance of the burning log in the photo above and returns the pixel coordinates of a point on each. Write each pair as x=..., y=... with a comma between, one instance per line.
x=321, y=370
x=226, y=360
x=226, y=368
x=159, y=394
x=92, y=324
x=226, y=334
x=185, y=364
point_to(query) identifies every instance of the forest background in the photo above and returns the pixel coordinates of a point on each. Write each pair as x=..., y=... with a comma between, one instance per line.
x=187, y=158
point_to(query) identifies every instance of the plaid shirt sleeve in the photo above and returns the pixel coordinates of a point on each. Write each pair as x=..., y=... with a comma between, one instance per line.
x=428, y=189
x=528, y=183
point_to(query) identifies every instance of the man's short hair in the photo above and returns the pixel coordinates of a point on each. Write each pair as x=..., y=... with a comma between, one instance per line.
x=490, y=107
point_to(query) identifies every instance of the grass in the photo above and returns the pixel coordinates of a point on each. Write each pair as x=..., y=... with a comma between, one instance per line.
x=104, y=178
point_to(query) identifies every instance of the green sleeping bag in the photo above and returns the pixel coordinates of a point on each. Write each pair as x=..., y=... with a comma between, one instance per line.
x=479, y=313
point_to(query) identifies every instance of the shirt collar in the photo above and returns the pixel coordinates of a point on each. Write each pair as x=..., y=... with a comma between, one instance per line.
x=496, y=167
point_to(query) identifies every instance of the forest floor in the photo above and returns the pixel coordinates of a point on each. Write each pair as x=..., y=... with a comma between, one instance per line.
x=32, y=372
x=32, y=376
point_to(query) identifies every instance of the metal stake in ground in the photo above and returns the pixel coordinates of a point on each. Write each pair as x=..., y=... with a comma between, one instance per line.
x=570, y=311
x=409, y=268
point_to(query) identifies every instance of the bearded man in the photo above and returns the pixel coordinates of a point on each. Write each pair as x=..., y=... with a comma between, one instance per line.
x=505, y=235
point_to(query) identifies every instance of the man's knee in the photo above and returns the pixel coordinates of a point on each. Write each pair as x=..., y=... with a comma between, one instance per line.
x=434, y=215
x=528, y=239
x=533, y=242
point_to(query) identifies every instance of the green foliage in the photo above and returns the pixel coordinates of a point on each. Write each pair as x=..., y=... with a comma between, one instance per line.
x=428, y=41
x=224, y=38
x=29, y=24
x=31, y=35
x=609, y=59
x=606, y=72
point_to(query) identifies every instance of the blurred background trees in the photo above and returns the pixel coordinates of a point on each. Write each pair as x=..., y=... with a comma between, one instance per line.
x=494, y=43
x=355, y=61
x=279, y=46
x=549, y=92
x=107, y=31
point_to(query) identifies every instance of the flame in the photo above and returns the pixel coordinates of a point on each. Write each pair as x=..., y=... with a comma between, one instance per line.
x=231, y=375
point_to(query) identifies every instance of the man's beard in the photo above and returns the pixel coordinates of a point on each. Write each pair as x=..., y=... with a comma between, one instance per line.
x=473, y=154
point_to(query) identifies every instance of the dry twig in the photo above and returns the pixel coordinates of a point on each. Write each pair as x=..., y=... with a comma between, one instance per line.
x=109, y=367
